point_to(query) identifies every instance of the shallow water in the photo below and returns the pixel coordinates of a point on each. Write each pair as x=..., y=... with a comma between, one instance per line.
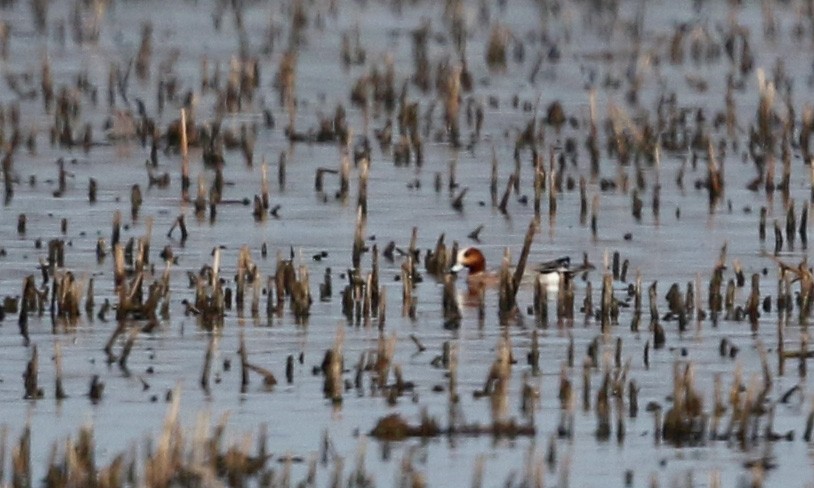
x=666, y=248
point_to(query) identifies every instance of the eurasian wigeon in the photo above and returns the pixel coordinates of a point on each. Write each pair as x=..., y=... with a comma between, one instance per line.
x=552, y=272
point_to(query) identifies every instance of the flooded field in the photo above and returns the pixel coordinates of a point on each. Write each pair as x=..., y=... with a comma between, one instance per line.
x=228, y=226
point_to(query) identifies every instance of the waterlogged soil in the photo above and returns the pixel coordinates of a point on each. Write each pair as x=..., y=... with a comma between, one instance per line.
x=582, y=46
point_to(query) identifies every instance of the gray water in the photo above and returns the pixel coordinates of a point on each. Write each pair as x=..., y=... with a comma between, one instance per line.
x=667, y=248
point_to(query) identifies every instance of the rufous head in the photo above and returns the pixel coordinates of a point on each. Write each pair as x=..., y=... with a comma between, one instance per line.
x=470, y=258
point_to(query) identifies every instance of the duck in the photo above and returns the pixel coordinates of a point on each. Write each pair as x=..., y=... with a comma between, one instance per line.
x=553, y=272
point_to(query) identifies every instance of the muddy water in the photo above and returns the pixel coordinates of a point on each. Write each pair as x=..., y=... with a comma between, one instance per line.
x=678, y=245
